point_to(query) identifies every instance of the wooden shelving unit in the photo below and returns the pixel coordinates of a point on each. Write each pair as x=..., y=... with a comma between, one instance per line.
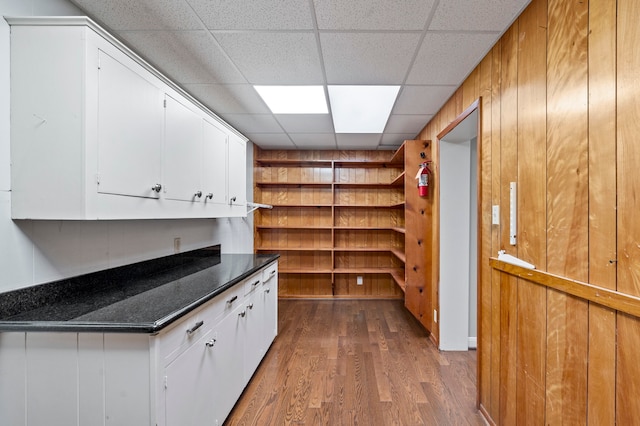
x=337, y=216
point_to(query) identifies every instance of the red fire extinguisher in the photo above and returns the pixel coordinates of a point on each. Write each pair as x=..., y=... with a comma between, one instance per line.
x=423, y=179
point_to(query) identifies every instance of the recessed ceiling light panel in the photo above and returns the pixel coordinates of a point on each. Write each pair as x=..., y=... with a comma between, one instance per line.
x=361, y=109
x=294, y=99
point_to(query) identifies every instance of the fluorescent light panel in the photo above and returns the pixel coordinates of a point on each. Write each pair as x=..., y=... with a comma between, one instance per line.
x=294, y=99
x=361, y=109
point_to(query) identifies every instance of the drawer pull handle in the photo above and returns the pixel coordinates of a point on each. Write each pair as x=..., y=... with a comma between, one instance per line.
x=267, y=290
x=233, y=299
x=210, y=343
x=250, y=306
x=273, y=272
x=255, y=284
x=195, y=327
x=242, y=314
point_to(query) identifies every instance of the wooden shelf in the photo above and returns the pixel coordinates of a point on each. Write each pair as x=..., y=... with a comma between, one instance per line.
x=294, y=249
x=327, y=228
x=304, y=271
x=363, y=185
x=399, y=181
x=365, y=164
x=300, y=184
x=295, y=163
x=301, y=205
x=363, y=228
x=371, y=206
x=376, y=183
x=398, y=156
x=399, y=254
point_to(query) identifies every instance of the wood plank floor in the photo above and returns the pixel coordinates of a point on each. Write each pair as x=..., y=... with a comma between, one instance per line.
x=357, y=362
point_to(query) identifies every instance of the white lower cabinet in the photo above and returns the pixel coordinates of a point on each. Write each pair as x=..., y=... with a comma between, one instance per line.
x=191, y=373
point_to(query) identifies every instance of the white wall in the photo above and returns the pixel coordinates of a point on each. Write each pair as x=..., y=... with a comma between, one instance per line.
x=454, y=245
x=473, y=243
x=34, y=252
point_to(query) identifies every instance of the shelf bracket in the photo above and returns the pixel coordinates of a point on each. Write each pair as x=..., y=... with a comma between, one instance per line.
x=255, y=206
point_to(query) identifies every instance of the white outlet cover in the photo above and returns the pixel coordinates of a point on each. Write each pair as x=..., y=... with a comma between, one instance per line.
x=359, y=280
x=495, y=215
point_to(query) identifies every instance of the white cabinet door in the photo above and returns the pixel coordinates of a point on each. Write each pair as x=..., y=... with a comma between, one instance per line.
x=182, y=152
x=228, y=363
x=269, y=296
x=189, y=385
x=237, y=172
x=214, y=164
x=254, y=347
x=130, y=116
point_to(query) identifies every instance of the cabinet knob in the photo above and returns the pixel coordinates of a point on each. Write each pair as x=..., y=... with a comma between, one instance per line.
x=209, y=195
x=250, y=306
x=198, y=194
x=242, y=314
x=157, y=187
x=267, y=290
x=233, y=200
x=210, y=343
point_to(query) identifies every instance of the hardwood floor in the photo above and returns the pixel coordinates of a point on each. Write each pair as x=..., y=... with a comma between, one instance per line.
x=357, y=362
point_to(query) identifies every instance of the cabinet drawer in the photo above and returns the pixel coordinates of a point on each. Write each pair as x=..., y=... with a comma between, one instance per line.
x=270, y=272
x=189, y=329
x=185, y=332
x=253, y=282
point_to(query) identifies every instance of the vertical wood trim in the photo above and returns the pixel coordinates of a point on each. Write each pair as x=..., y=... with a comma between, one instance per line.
x=484, y=233
x=567, y=210
x=601, y=386
x=508, y=173
x=494, y=349
x=628, y=178
x=531, y=230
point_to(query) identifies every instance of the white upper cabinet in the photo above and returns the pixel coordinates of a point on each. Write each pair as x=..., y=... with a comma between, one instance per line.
x=97, y=133
x=183, y=152
x=214, y=164
x=130, y=118
x=237, y=174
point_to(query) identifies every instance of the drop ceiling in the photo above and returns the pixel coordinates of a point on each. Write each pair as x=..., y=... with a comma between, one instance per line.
x=218, y=49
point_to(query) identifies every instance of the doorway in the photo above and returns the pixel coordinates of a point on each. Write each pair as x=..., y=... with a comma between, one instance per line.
x=458, y=162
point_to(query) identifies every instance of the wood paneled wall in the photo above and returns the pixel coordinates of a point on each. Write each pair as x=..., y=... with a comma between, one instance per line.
x=560, y=115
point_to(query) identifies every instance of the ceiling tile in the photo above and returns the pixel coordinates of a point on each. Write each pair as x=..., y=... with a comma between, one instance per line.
x=314, y=140
x=407, y=123
x=395, y=139
x=449, y=68
x=367, y=58
x=185, y=56
x=422, y=99
x=485, y=15
x=372, y=14
x=142, y=14
x=274, y=58
x=271, y=140
x=253, y=123
x=358, y=140
x=254, y=14
x=229, y=98
x=306, y=123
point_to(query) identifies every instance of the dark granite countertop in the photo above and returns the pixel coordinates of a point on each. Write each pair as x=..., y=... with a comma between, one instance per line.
x=140, y=298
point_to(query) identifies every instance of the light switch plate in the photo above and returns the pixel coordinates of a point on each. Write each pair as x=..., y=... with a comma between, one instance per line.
x=495, y=215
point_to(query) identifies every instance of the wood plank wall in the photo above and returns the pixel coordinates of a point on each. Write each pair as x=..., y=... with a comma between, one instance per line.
x=559, y=115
